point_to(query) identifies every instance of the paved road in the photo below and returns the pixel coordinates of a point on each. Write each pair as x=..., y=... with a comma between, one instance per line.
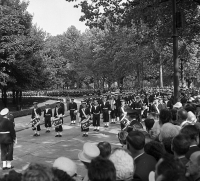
x=47, y=147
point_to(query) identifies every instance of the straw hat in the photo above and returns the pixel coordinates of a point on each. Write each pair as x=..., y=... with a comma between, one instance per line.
x=89, y=152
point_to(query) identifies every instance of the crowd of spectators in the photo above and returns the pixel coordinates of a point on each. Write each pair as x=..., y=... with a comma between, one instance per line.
x=164, y=148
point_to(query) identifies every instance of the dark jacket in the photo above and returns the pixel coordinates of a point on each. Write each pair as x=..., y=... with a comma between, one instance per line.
x=144, y=165
x=38, y=111
x=7, y=126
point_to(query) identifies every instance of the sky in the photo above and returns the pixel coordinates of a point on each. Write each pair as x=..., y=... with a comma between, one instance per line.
x=55, y=16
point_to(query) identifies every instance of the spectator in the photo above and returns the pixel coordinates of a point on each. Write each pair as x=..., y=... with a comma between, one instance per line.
x=105, y=149
x=101, y=169
x=182, y=117
x=123, y=163
x=89, y=152
x=167, y=142
x=168, y=130
x=193, y=166
x=154, y=149
x=165, y=116
x=12, y=176
x=39, y=172
x=169, y=169
x=62, y=175
x=149, y=124
x=174, y=116
x=191, y=118
x=180, y=146
x=193, y=134
x=144, y=163
x=67, y=166
x=177, y=106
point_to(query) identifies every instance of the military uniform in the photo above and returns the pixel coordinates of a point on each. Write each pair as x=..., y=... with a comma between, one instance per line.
x=47, y=118
x=7, y=139
x=35, y=115
x=72, y=109
x=59, y=112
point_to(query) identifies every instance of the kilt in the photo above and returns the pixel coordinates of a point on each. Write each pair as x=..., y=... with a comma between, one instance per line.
x=7, y=152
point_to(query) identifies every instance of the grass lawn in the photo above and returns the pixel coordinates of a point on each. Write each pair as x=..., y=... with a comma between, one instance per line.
x=27, y=102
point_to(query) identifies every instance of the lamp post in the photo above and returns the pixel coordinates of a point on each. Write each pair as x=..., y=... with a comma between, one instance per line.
x=175, y=53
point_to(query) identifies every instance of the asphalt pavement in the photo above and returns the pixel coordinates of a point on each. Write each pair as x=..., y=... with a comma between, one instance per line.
x=47, y=147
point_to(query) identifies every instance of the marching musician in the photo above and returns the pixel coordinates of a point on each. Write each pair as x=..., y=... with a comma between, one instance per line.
x=58, y=113
x=72, y=111
x=117, y=107
x=47, y=117
x=105, y=109
x=122, y=110
x=112, y=107
x=35, y=119
x=137, y=105
x=96, y=111
x=84, y=113
x=7, y=139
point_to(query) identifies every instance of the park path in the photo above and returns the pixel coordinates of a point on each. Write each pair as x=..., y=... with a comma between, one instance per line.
x=22, y=122
x=47, y=147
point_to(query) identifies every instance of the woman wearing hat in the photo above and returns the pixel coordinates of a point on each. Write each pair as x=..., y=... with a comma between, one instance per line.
x=7, y=139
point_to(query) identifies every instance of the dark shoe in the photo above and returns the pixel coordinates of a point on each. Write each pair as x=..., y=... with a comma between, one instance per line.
x=104, y=126
x=97, y=130
x=56, y=135
x=83, y=135
x=35, y=134
x=94, y=130
x=47, y=131
x=86, y=135
x=10, y=167
x=4, y=168
x=38, y=134
x=60, y=135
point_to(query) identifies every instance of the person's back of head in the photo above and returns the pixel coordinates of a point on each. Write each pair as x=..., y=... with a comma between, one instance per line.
x=174, y=115
x=39, y=172
x=182, y=115
x=123, y=163
x=62, y=175
x=105, y=149
x=155, y=149
x=135, y=140
x=165, y=116
x=192, y=132
x=169, y=168
x=168, y=130
x=101, y=169
x=180, y=144
x=149, y=123
x=12, y=176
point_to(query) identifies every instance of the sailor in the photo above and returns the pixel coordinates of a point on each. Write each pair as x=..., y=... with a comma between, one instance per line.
x=7, y=139
x=73, y=111
x=47, y=117
x=35, y=119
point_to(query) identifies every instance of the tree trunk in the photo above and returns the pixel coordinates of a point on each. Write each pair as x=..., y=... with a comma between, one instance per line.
x=13, y=95
x=161, y=73
x=4, y=97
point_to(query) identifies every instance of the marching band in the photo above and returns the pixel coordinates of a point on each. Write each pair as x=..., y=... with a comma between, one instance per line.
x=111, y=108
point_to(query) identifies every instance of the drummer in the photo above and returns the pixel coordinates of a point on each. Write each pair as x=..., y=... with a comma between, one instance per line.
x=84, y=113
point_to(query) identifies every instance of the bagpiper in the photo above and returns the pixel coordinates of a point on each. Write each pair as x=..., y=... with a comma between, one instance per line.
x=73, y=111
x=35, y=119
x=47, y=117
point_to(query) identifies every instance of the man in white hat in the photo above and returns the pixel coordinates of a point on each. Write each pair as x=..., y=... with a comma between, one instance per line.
x=7, y=139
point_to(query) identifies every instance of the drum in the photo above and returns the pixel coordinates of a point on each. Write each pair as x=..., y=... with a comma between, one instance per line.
x=35, y=122
x=85, y=124
x=57, y=122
